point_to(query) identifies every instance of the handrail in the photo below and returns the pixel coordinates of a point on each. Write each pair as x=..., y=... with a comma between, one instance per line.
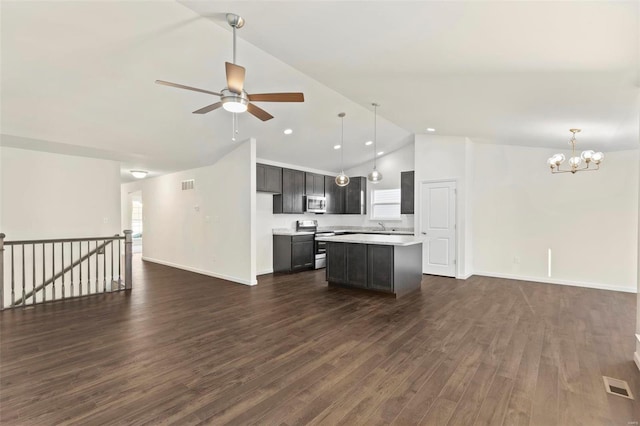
x=61, y=240
x=64, y=271
x=31, y=291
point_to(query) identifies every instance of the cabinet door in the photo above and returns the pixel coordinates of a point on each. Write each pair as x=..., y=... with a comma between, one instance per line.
x=314, y=184
x=336, y=263
x=260, y=177
x=335, y=195
x=357, y=265
x=356, y=196
x=380, y=259
x=302, y=255
x=273, y=179
x=268, y=178
x=407, y=184
x=292, y=191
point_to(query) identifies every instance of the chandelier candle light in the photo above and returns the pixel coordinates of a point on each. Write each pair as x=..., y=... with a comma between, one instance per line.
x=342, y=179
x=375, y=176
x=589, y=157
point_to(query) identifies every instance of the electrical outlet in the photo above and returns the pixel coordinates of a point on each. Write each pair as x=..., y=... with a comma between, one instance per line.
x=516, y=260
x=105, y=220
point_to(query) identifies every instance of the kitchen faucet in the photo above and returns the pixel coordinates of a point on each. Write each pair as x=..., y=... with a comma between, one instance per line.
x=383, y=227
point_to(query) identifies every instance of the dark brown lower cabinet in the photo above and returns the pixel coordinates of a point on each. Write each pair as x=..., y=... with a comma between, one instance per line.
x=293, y=253
x=337, y=263
x=357, y=265
x=383, y=268
x=380, y=273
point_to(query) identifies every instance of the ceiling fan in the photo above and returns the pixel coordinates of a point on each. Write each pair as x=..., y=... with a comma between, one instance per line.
x=233, y=98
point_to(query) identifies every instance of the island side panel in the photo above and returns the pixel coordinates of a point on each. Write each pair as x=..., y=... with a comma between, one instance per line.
x=407, y=269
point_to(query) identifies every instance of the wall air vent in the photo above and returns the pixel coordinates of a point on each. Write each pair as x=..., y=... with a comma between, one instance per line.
x=617, y=387
x=188, y=184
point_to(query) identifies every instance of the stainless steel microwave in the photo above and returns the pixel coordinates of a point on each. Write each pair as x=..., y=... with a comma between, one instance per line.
x=315, y=204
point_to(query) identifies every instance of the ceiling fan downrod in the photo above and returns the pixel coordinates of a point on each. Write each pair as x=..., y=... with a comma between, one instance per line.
x=235, y=21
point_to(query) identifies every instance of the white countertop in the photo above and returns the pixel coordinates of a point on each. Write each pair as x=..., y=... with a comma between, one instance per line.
x=289, y=231
x=385, y=240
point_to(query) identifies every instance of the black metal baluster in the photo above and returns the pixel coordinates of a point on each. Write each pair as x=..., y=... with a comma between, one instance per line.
x=97, y=291
x=104, y=266
x=53, y=269
x=119, y=263
x=33, y=272
x=80, y=267
x=72, y=289
x=24, y=291
x=44, y=290
x=62, y=264
x=13, y=281
x=88, y=267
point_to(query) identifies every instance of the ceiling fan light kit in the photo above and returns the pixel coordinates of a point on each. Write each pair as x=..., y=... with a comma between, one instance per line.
x=234, y=98
x=589, y=157
x=342, y=179
x=375, y=176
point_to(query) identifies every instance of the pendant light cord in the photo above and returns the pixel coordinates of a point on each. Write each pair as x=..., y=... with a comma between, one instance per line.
x=342, y=145
x=375, y=139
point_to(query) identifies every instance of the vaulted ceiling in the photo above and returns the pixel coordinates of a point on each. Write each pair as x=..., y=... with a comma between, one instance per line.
x=78, y=77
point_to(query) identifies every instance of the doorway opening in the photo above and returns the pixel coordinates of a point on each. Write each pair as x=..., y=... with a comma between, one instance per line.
x=136, y=221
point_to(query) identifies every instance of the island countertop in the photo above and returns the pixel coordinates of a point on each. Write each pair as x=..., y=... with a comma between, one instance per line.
x=384, y=240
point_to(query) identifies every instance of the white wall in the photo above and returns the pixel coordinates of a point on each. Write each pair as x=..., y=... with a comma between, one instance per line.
x=588, y=220
x=389, y=165
x=45, y=195
x=514, y=210
x=210, y=229
x=446, y=158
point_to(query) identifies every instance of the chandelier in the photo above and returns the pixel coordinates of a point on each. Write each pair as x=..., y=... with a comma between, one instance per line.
x=575, y=162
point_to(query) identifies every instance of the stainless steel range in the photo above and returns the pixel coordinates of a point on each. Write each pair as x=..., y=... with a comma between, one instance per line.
x=319, y=246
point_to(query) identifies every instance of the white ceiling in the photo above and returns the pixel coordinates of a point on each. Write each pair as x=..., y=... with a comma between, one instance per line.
x=77, y=77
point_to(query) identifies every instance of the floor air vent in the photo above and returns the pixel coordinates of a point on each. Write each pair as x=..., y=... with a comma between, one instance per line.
x=617, y=387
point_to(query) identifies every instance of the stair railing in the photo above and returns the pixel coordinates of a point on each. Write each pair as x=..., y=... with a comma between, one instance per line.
x=40, y=271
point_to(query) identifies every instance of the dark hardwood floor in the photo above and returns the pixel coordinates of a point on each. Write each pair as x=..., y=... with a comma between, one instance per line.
x=185, y=348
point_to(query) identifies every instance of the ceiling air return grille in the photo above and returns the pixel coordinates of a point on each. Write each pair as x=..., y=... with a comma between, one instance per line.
x=188, y=184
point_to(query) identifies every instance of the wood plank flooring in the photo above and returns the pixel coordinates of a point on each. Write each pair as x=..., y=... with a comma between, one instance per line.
x=184, y=348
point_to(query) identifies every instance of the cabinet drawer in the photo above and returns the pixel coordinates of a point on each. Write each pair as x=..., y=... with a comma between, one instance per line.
x=301, y=238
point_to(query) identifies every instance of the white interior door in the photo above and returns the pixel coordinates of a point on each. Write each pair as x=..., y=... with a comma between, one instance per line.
x=438, y=227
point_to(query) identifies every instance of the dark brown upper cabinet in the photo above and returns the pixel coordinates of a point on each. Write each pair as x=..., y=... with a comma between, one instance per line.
x=291, y=200
x=335, y=195
x=356, y=196
x=268, y=178
x=407, y=186
x=314, y=184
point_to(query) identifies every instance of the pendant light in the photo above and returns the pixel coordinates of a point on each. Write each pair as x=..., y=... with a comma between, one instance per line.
x=342, y=179
x=375, y=176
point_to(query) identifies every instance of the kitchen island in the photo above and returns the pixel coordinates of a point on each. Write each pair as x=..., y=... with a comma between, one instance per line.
x=385, y=263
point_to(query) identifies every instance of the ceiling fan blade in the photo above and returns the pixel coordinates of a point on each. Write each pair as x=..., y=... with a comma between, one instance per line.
x=259, y=112
x=235, y=77
x=208, y=108
x=181, y=86
x=277, y=97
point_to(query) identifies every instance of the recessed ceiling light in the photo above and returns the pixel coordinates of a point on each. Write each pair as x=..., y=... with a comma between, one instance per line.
x=138, y=174
x=337, y=146
x=430, y=129
x=288, y=131
x=381, y=152
x=368, y=143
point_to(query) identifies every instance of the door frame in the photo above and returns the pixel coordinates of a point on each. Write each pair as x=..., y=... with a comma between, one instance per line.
x=458, y=235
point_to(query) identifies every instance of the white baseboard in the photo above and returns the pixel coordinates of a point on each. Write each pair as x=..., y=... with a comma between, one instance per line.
x=265, y=271
x=201, y=271
x=558, y=281
x=464, y=277
x=636, y=358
